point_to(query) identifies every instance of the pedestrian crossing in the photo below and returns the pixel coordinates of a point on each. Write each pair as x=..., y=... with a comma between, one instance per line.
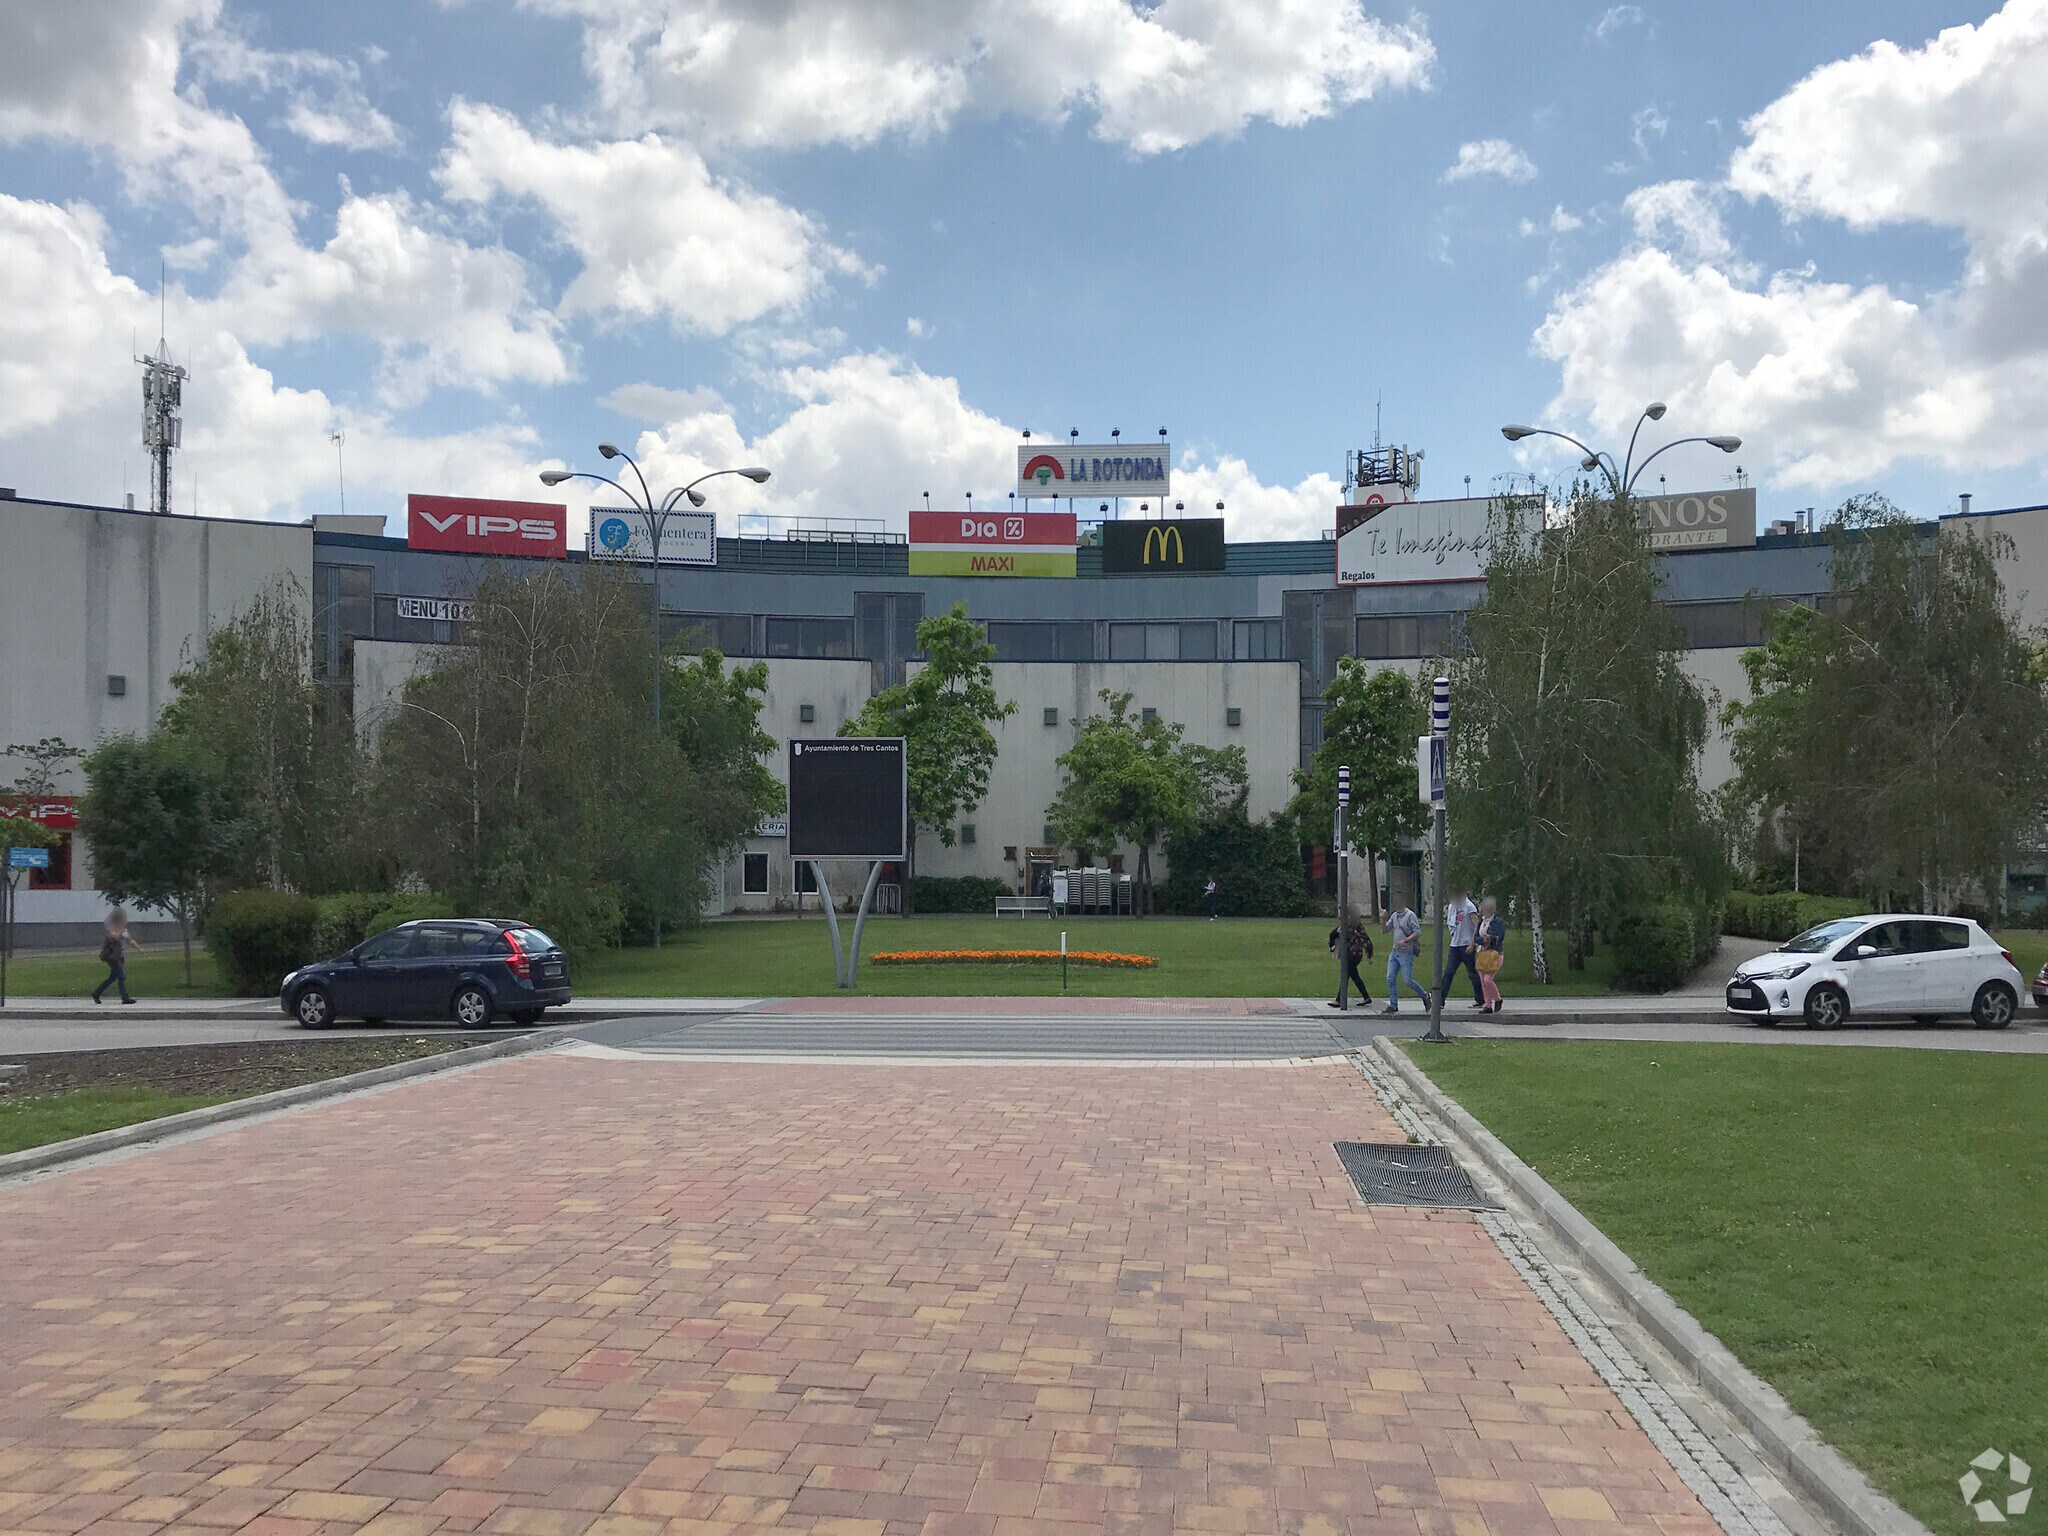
x=1101, y=1038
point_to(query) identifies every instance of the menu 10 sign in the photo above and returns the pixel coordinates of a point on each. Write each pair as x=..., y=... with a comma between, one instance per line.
x=992, y=543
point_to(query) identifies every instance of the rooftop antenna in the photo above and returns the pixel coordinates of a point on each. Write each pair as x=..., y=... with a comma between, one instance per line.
x=1378, y=396
x=338, y=437
x=163, y=394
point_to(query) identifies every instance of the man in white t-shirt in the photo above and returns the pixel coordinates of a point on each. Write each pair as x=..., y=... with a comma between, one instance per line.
x=1405, y=929
x=1463, y=920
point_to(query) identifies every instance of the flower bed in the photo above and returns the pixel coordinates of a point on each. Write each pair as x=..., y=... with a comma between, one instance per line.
x=1101, y=957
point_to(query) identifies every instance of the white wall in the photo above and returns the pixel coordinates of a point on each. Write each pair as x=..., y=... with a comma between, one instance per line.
x=2026, y=573
x=89, y=593
x=382, y=669
x=1721, y=672
x=1195, y=694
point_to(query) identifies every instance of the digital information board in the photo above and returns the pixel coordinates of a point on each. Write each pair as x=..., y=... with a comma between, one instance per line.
x=849, y=798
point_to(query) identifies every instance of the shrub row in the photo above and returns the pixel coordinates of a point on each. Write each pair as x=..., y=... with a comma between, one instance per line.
x=259, y=937
x=1656, y=947
x=1778, y=915
x=964, y=893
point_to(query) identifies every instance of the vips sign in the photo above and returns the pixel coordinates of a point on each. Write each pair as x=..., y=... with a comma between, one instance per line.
x=687, y=538
x=1142, y=549
x=58, y=813
x=1094, y=469
x=1699, y=519
x=1413, y=541
x=992, y=543
x=465, y=525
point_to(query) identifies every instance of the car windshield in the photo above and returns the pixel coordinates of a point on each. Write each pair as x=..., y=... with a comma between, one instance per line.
x=1814, y=940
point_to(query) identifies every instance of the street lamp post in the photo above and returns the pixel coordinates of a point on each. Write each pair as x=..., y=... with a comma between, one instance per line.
x=1622, y=477
x=656, y=519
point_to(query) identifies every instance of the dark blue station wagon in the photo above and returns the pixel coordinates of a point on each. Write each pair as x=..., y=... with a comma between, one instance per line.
x=471, y=970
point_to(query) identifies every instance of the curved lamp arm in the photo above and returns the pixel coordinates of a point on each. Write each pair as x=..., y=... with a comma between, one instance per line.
x=1604, y=461
x=1725, y=444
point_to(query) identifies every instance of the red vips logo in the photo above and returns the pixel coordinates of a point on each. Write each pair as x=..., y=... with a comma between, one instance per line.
x=467, y=525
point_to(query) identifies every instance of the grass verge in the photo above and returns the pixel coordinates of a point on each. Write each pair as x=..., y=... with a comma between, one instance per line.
x=1866, y=1229
x=64, y=1094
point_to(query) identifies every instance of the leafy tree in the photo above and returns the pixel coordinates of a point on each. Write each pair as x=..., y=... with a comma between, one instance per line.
x=524, y=774
x=44, y=763
x=163, y=826
x=943, y=712
x=1135, y=779
x=1257, y=866
x=1902, y=728
x=1371, y=720
x=1575, y=731
x=246, y=704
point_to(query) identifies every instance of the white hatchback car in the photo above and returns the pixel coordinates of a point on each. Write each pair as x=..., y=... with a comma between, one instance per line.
x=1882, y=965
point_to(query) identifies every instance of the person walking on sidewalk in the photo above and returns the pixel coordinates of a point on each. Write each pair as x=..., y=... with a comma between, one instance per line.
x=1492, y=934
x=1350, y=933
x=1209, y=898
x=1463, y=920
x=114, y=955
x=1405, y=929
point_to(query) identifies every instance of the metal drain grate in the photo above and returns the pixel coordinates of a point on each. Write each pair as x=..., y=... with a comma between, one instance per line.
x=1399, y=1173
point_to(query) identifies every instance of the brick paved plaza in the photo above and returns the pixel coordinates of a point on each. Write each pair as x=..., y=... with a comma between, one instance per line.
x=562, y=1294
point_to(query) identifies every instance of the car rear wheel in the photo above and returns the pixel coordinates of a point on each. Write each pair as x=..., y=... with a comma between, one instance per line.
x=472, y=1007
x=315, y=1009
x=1995, y=1006
x=1827, y=1007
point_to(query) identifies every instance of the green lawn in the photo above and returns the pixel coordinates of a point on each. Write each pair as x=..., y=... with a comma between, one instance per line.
x=1237, y=957
x=34, y=1120
x=1867, y=1229
x=158, y=971
x=1241, y=957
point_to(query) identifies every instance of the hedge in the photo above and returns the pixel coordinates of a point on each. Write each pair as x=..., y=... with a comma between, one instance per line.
x=1655, y=947
x=1257, y=867
x=964, y=893
x=345, y=919
x=257, y=937
x=409, y=909
x=1778, y=915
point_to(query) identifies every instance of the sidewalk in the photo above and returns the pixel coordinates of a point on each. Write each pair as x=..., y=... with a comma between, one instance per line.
x=570, y=1294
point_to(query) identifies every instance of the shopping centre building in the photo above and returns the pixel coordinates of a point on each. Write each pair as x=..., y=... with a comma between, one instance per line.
x=1234, y=641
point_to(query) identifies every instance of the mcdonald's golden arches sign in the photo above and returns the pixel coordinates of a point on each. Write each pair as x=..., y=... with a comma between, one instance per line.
x=1141, y=548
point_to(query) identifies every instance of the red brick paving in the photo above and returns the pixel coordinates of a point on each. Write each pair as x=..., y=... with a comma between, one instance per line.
x=567, y=1295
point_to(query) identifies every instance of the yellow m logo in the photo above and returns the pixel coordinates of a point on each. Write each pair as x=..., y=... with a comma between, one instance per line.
x=1165, y=536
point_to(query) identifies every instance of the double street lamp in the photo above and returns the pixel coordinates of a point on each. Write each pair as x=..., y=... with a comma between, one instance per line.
x=656, y=517
x=1622, y=477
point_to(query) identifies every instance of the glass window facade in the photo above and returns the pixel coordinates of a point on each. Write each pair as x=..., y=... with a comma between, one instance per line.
x=810, y=637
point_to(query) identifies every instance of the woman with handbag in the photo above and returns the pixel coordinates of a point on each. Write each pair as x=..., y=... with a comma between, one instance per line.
x=1492, y=939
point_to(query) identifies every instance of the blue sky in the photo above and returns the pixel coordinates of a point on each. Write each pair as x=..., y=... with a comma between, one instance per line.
x=868, y=242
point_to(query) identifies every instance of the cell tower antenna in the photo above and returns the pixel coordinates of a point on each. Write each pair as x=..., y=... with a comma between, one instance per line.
x=163, y=396
x=1378, y=396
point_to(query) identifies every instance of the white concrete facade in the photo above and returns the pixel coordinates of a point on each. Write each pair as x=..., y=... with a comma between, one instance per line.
x=99, y=609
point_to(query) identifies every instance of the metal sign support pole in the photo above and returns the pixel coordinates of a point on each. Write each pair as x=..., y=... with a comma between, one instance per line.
x=1440, y=729
x=831, y=921
x=1343, y=919
x=6, y=932
x=860, y=920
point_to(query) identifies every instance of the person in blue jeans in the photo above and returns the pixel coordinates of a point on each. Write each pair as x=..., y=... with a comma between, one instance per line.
x=1463, y=920
x=114, y=955
x=1405, y=929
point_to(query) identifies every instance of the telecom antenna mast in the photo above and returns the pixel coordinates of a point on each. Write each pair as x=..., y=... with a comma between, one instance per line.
x=163, y=394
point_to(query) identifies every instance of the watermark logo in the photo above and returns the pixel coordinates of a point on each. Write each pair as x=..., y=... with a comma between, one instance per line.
x=613, y=534
x=2018, y=1479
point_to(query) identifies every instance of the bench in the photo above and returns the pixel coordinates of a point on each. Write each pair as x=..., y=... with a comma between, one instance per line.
x=1023, y=906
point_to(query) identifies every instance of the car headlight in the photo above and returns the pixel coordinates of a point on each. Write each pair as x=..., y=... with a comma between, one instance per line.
x=1783, y=973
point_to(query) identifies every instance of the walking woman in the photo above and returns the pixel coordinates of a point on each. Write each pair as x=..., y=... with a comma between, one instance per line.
x=114, y=955
x=1492, y=939
x=1350, y=933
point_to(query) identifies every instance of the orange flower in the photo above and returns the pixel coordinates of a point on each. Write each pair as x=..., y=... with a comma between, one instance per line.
x=1099, y=957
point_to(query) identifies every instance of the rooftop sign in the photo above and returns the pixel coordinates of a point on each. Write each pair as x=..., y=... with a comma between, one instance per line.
x=1094, y=469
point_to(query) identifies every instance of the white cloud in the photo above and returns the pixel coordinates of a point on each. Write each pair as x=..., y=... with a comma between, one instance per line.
x=659, y=404
x=1491, y=157
x=1832, y=382
x=872, y=431
x=1647, y=124
x=253, y=447
x=1614, y=18
x=657, y=233
x=1155, y=78
x=444, y=312
x=326, y=101
x=1560, y=222
x=105, y=75
x=917, y=328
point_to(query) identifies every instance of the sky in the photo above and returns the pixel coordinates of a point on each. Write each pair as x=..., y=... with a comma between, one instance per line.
x=867, y=243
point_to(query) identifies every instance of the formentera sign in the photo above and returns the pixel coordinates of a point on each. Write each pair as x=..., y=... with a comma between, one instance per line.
x=1413, y=541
